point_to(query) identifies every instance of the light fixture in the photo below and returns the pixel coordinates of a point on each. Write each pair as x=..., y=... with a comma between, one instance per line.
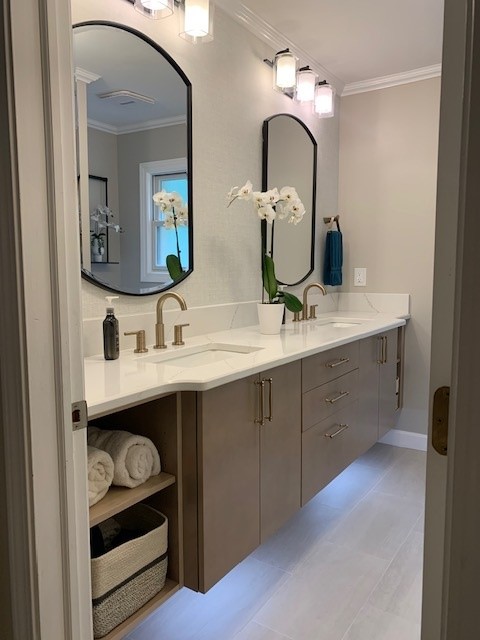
x=284, y=71
x=197, y=20
x=324, y=105
x=305, y=90
x=154, y=9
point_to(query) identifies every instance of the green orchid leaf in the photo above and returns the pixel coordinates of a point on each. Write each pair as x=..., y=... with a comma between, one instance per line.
x=269, y=280
x=174, y=267
x=292, y=302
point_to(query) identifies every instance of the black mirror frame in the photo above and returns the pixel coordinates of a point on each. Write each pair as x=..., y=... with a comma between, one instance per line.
x=87, y=275
x=265, y=187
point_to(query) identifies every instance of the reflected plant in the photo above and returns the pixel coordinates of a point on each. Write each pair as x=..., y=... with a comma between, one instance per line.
x=102, y=219
x=176, y=215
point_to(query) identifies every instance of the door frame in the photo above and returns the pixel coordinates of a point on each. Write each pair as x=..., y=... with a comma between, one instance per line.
x=44, y=538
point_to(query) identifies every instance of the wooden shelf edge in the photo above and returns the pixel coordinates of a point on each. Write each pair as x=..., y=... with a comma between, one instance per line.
x=125, y=627
x=120, y=498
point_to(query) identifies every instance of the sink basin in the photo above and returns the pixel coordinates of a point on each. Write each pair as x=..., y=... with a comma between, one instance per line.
x=201, y=355
x=340, y=323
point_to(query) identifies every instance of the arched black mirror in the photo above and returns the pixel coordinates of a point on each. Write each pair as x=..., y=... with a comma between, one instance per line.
x=134, y=141
x=290, y=159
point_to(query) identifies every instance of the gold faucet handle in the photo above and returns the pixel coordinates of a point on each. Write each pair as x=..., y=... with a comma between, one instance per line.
x=177, y=334
x=296, y=316
x=140, y=346
x=313, y=315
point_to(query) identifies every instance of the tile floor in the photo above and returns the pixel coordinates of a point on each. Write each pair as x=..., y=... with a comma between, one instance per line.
x=348, y=566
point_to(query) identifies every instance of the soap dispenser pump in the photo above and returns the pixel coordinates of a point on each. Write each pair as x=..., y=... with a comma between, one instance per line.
x=111, y=346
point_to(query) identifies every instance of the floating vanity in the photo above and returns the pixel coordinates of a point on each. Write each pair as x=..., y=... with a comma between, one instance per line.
x=249, y=428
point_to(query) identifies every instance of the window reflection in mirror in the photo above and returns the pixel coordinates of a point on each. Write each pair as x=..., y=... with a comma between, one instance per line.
x=134, y=138
x=290, y=159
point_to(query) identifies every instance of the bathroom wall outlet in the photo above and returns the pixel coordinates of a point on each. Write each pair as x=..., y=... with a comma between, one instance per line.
x=360, y=277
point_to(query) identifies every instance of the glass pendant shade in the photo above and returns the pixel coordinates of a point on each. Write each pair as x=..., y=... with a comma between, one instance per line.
x=154, y=9
x=197, y=21
x=305, y=90
x=284, y=70
x=324, y=105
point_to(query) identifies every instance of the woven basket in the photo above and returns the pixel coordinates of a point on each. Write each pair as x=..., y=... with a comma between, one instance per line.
x=129, y=575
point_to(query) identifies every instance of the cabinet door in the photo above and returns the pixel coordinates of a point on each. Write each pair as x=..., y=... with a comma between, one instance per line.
x=387, y=384
x=280, y=446
x=228, y=443
x=370, y=351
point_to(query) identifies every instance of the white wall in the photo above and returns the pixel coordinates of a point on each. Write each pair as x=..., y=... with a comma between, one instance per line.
x=232, y=95
x=387, y=187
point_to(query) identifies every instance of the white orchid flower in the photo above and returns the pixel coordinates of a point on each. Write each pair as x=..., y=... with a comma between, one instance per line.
x=169, y=222
x=182, y=215
x=159, y=197
x=245, y=192
x=267, y=212
x=272, y=195
x=288, y=194
x=260, y=198
x=297, y=209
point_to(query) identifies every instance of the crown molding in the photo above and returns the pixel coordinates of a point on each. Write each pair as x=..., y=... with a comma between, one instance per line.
x=384, y=82
x=277, y=40
x=134, y=128
x=85, y=76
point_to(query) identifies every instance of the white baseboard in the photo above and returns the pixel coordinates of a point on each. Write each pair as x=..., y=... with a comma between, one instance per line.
x=406, y=439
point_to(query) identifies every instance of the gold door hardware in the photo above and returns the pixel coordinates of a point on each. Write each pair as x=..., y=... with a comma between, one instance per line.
x=261, y=386
x=341, y=429
x=337, y=363
x=342, y=394
x=441, y=400
x=79, y=415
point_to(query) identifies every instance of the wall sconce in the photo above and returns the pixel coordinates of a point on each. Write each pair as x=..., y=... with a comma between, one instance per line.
x=197, y=20
x=284, y=71
x=324, y=104
x=154, y=9
x=305, y=90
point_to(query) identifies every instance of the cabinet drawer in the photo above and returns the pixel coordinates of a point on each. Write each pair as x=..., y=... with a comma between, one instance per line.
x=328, y=448
x=328, y=365
x=328, y=398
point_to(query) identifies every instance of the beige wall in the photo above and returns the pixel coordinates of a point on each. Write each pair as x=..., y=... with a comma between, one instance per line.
x=387, y=187
x=232, y=95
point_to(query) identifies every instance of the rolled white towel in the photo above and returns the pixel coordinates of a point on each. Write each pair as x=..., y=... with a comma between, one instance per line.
x=100, y=474
x=135, y=458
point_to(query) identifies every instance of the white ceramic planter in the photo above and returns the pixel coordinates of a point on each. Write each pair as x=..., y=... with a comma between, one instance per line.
x=270, y=317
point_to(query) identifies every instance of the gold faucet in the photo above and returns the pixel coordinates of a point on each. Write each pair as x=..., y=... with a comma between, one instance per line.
x=160, y=327
x=312, y=316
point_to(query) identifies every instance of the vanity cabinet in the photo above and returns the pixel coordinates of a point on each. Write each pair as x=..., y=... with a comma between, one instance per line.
x=380, y=360
x=159, y=420
x=242, y=461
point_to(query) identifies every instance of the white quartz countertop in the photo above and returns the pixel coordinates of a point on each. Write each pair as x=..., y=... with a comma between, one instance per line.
x=134, y=378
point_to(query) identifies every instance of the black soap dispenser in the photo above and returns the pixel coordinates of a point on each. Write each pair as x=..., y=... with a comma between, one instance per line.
x=111, y=346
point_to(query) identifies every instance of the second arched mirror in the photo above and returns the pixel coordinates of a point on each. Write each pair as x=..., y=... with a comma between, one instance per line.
x=290, y=159
x=134, y=141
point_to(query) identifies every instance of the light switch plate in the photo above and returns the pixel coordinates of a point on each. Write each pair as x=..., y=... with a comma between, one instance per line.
x=360, y=277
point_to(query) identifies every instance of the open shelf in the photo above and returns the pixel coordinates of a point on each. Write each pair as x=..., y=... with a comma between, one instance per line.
x=120, y=498
x=130, y=623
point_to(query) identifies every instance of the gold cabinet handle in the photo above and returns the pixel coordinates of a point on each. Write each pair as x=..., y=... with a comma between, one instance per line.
x=383, y=350
x=270, y=399
x=337, y=363
x=261, y=386
x=342, y=394
x=341, y=429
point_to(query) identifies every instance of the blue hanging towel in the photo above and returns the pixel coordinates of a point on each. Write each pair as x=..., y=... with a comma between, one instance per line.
x=332, y=266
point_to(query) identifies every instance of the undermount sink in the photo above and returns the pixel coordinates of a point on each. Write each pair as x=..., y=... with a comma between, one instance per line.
x=201, y=355
x=340, y=323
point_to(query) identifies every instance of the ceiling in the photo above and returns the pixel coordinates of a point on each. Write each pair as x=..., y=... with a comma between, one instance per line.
x=351, y=40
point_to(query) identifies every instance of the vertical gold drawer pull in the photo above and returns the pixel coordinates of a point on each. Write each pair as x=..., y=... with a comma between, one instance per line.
x=341, y=429
x=342, y=394
x=261, y=386
x=337, y=363
x=270, y=400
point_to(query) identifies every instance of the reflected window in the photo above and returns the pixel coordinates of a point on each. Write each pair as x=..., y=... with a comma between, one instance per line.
x=165, y=237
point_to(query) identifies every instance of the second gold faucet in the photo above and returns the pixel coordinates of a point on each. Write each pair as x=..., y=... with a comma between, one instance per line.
x=305, y=310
